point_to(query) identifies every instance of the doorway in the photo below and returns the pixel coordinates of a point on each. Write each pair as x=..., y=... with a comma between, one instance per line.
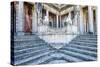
x=28, y=17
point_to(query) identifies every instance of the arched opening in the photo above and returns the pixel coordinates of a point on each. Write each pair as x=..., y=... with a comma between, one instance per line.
x=28, y=17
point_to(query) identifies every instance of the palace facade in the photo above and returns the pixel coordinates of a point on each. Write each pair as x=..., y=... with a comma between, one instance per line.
x=47, y=18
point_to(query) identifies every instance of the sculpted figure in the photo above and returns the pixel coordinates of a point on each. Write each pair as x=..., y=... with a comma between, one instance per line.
x=69, y=24
x=28, y=20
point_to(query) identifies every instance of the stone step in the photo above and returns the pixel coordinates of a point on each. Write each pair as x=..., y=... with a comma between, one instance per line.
x=29, y=46
x=33, y=39
x=22, y=44
x=18, y=52
x=83, y=43
x=88, y=45
x=79, y=40
x=79, y=55
x=29, y=57
x=87, y=35
x=81, y=51
x=86, y=42
x=57, y=61
x=54, y=55
x=28, y=43
x=30, y=53
x=86, y=38
x=84, y=47
x=59, y=56
x=39, y=40
x=25, y=36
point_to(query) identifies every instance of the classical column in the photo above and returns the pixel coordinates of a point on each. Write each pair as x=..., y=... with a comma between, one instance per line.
x=90, y=17
x=47, y=14
x=79, y=19
x=70, y=21
x=60, y=21
x=20, y=18
x=47, y=21
x=34, y=20
x=57, y=20
x=39, y=13
x=39, y=16
x=96, y=11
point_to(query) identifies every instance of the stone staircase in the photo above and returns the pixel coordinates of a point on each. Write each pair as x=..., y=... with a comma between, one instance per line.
x=33, y=50
x=26, y=47
x=83, y=47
